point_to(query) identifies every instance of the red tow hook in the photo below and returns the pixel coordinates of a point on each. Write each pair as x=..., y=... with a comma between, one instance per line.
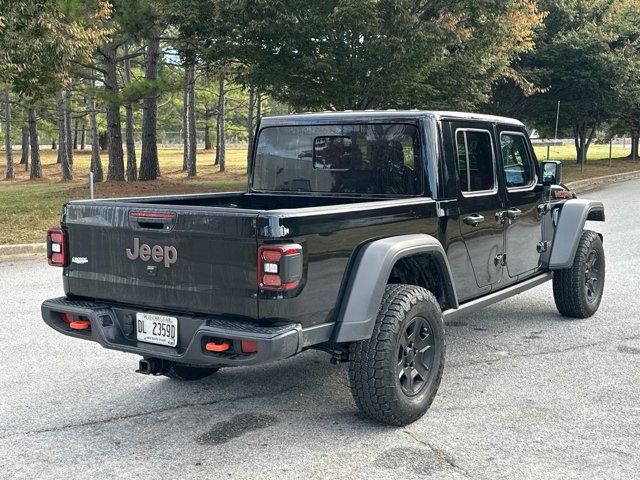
x=217, y=347
x=80, y=324
x=74, y=322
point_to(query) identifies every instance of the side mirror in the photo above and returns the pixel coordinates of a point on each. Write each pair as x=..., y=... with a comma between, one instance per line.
x=551, y=172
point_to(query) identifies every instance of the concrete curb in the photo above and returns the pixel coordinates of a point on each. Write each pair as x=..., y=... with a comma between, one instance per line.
x=579, y=186
x=22, y=249
x=590, y=183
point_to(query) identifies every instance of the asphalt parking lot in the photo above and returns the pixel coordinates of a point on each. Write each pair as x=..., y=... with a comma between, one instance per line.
x=525, y=394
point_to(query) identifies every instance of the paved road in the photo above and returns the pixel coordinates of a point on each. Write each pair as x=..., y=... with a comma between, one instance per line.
x=526, y=394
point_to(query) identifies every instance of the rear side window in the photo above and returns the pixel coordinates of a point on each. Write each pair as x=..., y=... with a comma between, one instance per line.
x=518, y=164
x=358, y=159
x=475, y=161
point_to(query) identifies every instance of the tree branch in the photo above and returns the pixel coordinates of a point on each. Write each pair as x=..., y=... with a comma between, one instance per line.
x=90, y=67
x=130, y=56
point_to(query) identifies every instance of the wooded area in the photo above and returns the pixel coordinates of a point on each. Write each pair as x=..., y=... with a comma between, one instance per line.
x=113, y=76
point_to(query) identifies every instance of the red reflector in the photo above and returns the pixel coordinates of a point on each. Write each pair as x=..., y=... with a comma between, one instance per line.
x=271, y=255
x=271, y=281
x=290, y=285
x=217, y=347
x=143, y=214
x=249, y=347
x=56, y=260
x=66, y=318
x=80, y=324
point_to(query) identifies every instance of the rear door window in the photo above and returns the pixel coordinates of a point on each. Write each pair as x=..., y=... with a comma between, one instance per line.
x=475, y=161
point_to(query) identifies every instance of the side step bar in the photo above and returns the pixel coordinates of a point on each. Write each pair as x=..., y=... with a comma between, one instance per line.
x=477, y=304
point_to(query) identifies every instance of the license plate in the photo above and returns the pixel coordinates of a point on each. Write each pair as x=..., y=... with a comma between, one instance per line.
x=158, y=329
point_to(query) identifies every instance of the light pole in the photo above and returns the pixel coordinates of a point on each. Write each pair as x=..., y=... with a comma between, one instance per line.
x=555, y=137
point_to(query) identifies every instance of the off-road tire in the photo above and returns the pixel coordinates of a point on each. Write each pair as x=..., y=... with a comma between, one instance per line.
x=375, y=363
x=187, y=373
x=571, y=291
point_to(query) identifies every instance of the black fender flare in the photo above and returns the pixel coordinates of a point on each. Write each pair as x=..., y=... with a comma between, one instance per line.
x=368, y=279
x=570, y=224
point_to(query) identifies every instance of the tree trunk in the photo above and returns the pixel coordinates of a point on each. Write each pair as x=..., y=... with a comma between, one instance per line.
x=75, y=135
x=7, y=134
x=103, y=137
x=221, y=140
x=67, y=112
x=149, y=166
x=185, y=120
x=590, y=137
x=132, y=163
x=191, y=119
x=63, y=150
x=207, y=136
x=83, y=135
x=635, y=137
x=208, y=114
x=61, y=128
x=36, y=170
x=583, y=136
x=250, y=124
x=96, y=162
x=115, y=169
x=258, y=106
x=24, y=158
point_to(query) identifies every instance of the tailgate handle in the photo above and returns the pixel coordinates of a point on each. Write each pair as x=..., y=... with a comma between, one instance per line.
x=153, y=220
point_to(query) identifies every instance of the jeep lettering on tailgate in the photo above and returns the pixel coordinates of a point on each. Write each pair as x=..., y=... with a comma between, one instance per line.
x=157, y=253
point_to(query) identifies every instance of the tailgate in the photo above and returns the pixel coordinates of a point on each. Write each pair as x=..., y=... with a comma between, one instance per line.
x=193, y=259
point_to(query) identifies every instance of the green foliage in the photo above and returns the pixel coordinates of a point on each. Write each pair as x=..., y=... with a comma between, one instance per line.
x=40, y=40
x=586, y=57
x=169, y=81
x=364, y=53
x=136, y=18
x=626, y=21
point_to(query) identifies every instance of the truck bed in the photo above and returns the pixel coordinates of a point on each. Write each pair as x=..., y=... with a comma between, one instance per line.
x=214, y=239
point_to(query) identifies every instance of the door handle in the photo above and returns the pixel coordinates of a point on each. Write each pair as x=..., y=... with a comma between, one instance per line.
x=473, y=220
x=513, y=213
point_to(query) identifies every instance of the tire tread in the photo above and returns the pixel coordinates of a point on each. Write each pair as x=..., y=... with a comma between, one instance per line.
x=368, y=379
x=568, y=284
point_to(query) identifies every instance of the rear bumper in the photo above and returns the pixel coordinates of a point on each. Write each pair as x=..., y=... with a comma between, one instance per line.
x=113, y=327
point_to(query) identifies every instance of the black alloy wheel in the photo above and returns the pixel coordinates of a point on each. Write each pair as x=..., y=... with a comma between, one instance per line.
x=415, y=356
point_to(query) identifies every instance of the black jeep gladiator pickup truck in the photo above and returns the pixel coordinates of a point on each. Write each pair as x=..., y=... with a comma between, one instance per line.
x=360, y=234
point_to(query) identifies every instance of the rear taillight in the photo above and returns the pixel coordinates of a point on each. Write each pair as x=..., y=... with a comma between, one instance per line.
x=57, y=247
x=279, y=267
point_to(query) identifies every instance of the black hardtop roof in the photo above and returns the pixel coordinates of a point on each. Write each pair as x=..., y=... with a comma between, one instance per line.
x=361, y=116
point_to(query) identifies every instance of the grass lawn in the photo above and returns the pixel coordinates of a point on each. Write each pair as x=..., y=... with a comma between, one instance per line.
x=28, y=208
x=597, y=161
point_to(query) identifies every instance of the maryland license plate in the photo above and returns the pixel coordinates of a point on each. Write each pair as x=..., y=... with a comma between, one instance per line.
x=158, y=329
